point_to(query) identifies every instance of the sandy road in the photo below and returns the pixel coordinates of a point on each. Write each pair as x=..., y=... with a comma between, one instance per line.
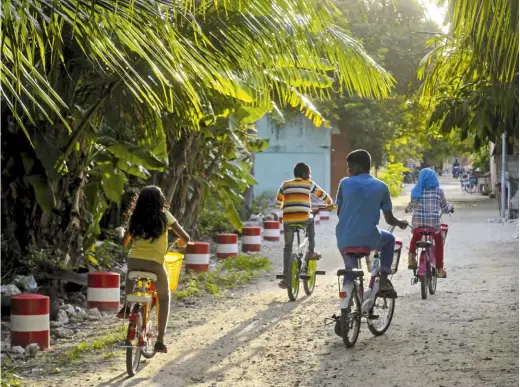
x=465, y=335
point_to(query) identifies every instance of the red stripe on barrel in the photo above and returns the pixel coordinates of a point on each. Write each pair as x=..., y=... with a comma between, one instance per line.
x=30, y=322
x=227, y=245
x=271, y=230
x=28, y=304
x=251, y=239
x=23, y=339
x=103, y=279
x=197, y=256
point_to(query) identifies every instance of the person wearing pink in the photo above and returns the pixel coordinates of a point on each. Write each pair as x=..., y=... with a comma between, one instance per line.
x=428, y=203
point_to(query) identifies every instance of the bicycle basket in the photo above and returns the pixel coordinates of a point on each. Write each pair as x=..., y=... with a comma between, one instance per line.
x=173, y=264
x=397, y=256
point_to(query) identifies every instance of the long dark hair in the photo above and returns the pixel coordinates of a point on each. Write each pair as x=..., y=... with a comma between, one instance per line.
x=148, y=220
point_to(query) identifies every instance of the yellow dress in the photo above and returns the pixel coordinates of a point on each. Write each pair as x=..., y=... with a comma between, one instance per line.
x=152, y=250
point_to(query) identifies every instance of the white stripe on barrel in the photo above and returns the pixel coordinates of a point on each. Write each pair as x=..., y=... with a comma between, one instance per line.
x=197, y=256
x=324, y=215
x=251, y=239
x=271, y=230
x=227, y=245
x=30, y=322
x=103, y=291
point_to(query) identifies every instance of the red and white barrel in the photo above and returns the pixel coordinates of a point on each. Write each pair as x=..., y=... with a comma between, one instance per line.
x=227, y=245
x=317, y=218
x=251, y=239
x=30, y=322
x=324, y=215
x=271, y=230
x=103, y=291
x=197, y=256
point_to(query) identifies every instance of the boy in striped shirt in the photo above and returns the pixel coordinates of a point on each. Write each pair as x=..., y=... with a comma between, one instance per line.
x=294, y=198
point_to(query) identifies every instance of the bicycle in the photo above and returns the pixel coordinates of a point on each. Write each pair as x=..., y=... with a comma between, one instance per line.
x=357, y=303
x=426, y=272
x=302, y=268
x=142, y=326
x=469, y=184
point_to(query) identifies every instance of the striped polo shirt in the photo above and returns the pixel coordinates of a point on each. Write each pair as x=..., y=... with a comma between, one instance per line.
x=294, y=197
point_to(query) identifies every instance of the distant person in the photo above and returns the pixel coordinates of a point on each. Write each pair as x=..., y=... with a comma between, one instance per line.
x=456, y=169
x=294, y=198
x=428, y=203
x=361, y=198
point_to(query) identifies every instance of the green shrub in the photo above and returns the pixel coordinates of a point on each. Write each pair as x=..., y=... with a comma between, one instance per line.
x=392, y=175
x=213, y=219
x=229, y=274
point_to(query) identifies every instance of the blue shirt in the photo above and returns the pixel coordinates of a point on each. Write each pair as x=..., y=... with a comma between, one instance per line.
x=361, y=198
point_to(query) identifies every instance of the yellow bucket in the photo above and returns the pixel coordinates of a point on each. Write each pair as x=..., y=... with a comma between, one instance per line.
x=173, y=264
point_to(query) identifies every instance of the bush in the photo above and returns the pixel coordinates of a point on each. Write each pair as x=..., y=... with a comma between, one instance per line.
x=392, y=175
x=213, y=220
x=228, y=274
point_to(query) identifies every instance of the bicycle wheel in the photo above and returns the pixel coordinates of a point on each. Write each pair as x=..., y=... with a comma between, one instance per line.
x=351, y=321
x=309, y=284
x=134, y=341
x=432, y=286
x=148, y=349
x=384, y=309
x=293, y=282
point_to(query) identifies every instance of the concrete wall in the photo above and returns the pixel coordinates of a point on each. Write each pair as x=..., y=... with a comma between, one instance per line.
x=296, y=141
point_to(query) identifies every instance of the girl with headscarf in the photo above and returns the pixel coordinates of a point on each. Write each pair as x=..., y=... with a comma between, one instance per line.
x=428, y=203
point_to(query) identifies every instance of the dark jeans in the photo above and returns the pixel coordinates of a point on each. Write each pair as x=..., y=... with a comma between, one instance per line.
x=289, y=239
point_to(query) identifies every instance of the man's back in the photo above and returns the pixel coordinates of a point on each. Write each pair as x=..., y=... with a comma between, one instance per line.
x=361, y=198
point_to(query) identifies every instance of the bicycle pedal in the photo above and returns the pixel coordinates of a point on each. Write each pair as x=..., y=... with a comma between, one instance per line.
x=280, y=276
x=320, y=272
x=305, y=277
x=372, y=317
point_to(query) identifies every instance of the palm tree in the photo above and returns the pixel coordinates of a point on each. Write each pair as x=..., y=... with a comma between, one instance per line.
x=471, y=75
x=99, y=92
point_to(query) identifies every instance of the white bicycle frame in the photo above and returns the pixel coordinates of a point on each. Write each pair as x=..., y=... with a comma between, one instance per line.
x=368, y=295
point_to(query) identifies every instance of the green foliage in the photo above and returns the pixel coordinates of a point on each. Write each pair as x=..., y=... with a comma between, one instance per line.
x=228, y=274
x=94, y=344
x=392, y=175
x=481, y=158
x=389, y=129
x=105, y=255
x=213, y=220
x=156, y=87
x=261, y=204
x=10, y=379
x=471, y=73
x=192, y=289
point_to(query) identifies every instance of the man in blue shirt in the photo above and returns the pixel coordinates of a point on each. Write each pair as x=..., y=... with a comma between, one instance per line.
x=360, y=199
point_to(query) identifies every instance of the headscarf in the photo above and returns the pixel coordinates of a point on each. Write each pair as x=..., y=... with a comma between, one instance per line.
x=427, y=180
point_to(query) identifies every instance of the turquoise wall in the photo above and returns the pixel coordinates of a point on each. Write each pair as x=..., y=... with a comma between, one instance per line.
x=293, y=142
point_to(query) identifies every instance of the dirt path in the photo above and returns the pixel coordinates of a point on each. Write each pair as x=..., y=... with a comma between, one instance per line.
x=465, y=335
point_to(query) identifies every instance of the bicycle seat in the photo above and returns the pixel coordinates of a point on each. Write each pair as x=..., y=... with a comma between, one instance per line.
x=354, y=272
x=424, y=244
x=357, y=251
x=426, y=230
x=135, y=275
x=297, y=226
